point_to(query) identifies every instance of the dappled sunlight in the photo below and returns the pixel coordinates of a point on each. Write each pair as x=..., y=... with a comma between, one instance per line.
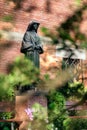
x=49, y=63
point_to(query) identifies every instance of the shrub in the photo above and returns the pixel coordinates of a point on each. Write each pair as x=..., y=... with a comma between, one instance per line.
x=56, y=105
x=75, y=124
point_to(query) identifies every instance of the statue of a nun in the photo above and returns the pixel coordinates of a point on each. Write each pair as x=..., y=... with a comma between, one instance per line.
x=31, y=44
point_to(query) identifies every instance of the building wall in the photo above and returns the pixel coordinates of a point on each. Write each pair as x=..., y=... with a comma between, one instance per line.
x=49, y=13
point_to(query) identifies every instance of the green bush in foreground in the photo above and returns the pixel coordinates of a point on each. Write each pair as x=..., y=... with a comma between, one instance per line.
x=75, y=124
x=22, y=72
x=56, y=105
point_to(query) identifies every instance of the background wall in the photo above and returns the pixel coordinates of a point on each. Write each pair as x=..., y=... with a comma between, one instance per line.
x=50, y=13
x=15, y=17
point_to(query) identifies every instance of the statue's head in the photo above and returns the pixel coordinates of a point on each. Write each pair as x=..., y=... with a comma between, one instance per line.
x=33, y=26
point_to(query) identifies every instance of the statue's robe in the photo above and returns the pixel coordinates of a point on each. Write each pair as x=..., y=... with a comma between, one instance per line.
x=31, y=47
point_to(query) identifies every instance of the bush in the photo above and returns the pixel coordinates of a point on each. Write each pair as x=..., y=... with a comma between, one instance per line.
x=5, y=115
x=75, y=124
x=56, y=105
x=72, y=89
x=6, y=90
x=22, y=72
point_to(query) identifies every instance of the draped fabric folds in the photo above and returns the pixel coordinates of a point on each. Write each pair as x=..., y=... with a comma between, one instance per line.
x=31, y=45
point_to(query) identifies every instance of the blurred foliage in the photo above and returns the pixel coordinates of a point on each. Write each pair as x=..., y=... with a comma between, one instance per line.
x=5, y=115
x=75, y=124
x=22, y=72
x=38, y=125
x=47, y=84
x=45, y=31
x=48, y=33
x=8, y=18
x=57, y=111
x=39, y=111
x=72, y=89
x=69, y=35
x=0, y=35
x=56, y=105
x=6, y=91
x=40, y=117
x=72, y=112
x=78, y=2
x=5, y=126
x=69, y=31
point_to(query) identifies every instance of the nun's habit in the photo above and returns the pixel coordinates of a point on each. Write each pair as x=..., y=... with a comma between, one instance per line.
x=31, y=44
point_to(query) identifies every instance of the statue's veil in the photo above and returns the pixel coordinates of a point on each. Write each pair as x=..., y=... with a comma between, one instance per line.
x=30, y=26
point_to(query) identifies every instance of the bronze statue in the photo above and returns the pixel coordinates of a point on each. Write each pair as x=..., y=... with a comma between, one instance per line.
x=31, y=44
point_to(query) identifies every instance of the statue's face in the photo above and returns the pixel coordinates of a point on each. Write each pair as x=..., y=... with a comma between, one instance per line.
x=35, y=26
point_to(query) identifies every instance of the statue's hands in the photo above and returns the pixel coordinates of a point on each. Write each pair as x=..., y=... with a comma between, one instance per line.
x=37, y=47
x=40, y=50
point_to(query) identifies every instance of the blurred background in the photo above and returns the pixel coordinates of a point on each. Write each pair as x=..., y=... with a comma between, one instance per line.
x=63, y=28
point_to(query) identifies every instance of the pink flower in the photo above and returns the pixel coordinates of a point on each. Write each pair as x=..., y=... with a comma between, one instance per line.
x=29, y=113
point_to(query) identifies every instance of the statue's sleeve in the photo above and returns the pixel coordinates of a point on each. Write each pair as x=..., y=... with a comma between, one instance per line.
x=40, y=46
x=26, y=43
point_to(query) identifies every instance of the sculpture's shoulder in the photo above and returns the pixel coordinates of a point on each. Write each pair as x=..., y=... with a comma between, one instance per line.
x=27, y=35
